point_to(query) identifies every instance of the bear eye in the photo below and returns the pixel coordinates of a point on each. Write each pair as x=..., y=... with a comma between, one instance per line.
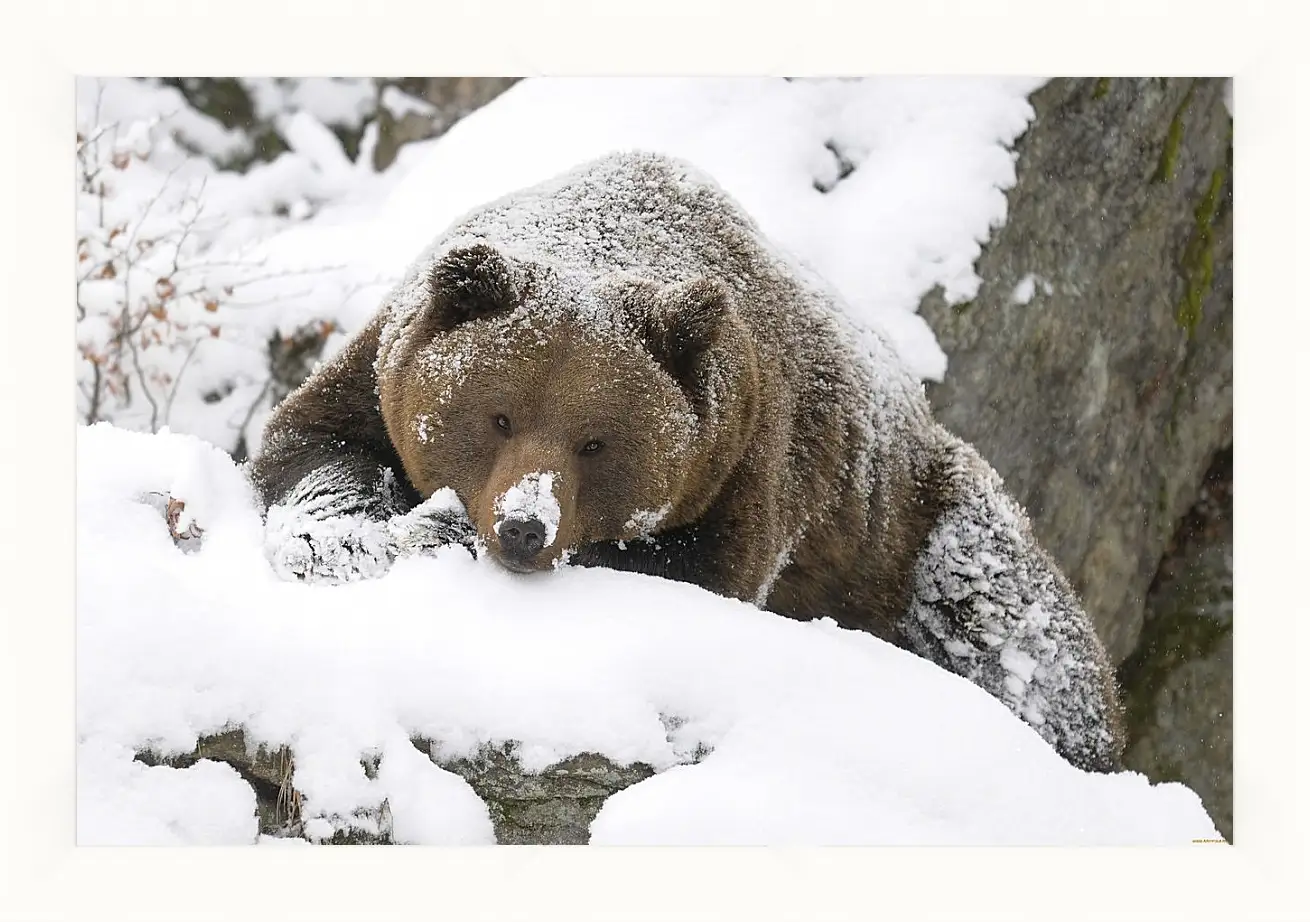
x=592, y=447
x=502, y=423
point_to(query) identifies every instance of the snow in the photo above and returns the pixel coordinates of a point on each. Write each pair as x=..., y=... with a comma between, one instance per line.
x=533, y=497
x=1023, y=292
x=121, y=801
x=319, y=147
x=342, y=101
x=645, y=521
x=1027, y=287
x=815, y=734
x=779, y=564
x=399, y=103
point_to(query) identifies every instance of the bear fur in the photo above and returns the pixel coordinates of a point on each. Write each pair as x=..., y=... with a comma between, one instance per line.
x=618, y=365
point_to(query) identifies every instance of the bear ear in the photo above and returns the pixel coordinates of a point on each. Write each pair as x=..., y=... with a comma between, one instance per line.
x=683, y=324
x=470, y=282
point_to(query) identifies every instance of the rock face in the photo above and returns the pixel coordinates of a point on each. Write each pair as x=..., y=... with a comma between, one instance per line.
x=1094, y=371
x=1094, y=367
x=1180, y=678
x=448, y=100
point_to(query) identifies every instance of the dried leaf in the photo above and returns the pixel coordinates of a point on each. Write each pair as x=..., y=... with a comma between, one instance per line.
x=120, y=159
x=107, y=272
x=211, y=306
x=189, y=539
x=164, y=288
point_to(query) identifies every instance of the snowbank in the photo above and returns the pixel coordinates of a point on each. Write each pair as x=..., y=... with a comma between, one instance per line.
x=816, y=734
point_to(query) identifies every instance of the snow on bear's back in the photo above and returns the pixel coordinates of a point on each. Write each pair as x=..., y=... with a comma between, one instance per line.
x=643, y=213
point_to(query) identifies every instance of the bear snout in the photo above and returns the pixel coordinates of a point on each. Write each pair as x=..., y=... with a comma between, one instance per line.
x=527, y=522
x=521, y=540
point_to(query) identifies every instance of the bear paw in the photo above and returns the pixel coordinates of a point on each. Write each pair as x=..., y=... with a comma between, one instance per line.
x=436, y=522
x=327, y=550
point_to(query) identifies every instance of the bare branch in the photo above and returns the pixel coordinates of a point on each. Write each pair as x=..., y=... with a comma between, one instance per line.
x=97, y=393
x=145, y=386
x=250, y=411
x=141, y=219
x=177, y=379
x=191, y=223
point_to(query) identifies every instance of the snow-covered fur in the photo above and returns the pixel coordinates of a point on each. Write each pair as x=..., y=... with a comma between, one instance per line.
x=791, y=455
x=990, y=605
x=326, y=529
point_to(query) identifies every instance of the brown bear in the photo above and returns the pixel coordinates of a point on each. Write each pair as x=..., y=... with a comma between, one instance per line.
x=616, y=368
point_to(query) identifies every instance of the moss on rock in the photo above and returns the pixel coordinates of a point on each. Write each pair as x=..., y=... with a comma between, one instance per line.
x=1198, y=257
x=1173, y=141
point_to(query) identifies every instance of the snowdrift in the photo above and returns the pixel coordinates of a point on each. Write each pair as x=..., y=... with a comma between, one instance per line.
x=760, y=729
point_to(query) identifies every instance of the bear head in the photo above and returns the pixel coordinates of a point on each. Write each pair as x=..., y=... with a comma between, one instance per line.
x=568, y=409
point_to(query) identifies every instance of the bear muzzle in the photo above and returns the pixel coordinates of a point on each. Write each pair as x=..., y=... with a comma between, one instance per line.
x=527, y=518
x=521, y=541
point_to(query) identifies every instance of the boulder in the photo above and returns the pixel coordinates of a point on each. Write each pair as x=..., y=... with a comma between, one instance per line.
x=551, y=807
x=555, y=807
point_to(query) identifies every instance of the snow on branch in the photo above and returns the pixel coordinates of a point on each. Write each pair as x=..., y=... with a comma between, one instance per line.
x=177, y=302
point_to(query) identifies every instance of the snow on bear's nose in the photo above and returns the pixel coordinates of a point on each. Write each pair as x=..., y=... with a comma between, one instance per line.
x=527, y=516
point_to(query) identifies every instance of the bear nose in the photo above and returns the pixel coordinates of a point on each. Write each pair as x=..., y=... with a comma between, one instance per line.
x=520, y=539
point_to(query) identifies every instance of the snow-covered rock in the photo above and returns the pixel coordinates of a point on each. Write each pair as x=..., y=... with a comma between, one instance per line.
x=760, y=729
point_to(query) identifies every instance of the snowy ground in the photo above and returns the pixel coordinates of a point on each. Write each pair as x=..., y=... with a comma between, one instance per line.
x=818, y=735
